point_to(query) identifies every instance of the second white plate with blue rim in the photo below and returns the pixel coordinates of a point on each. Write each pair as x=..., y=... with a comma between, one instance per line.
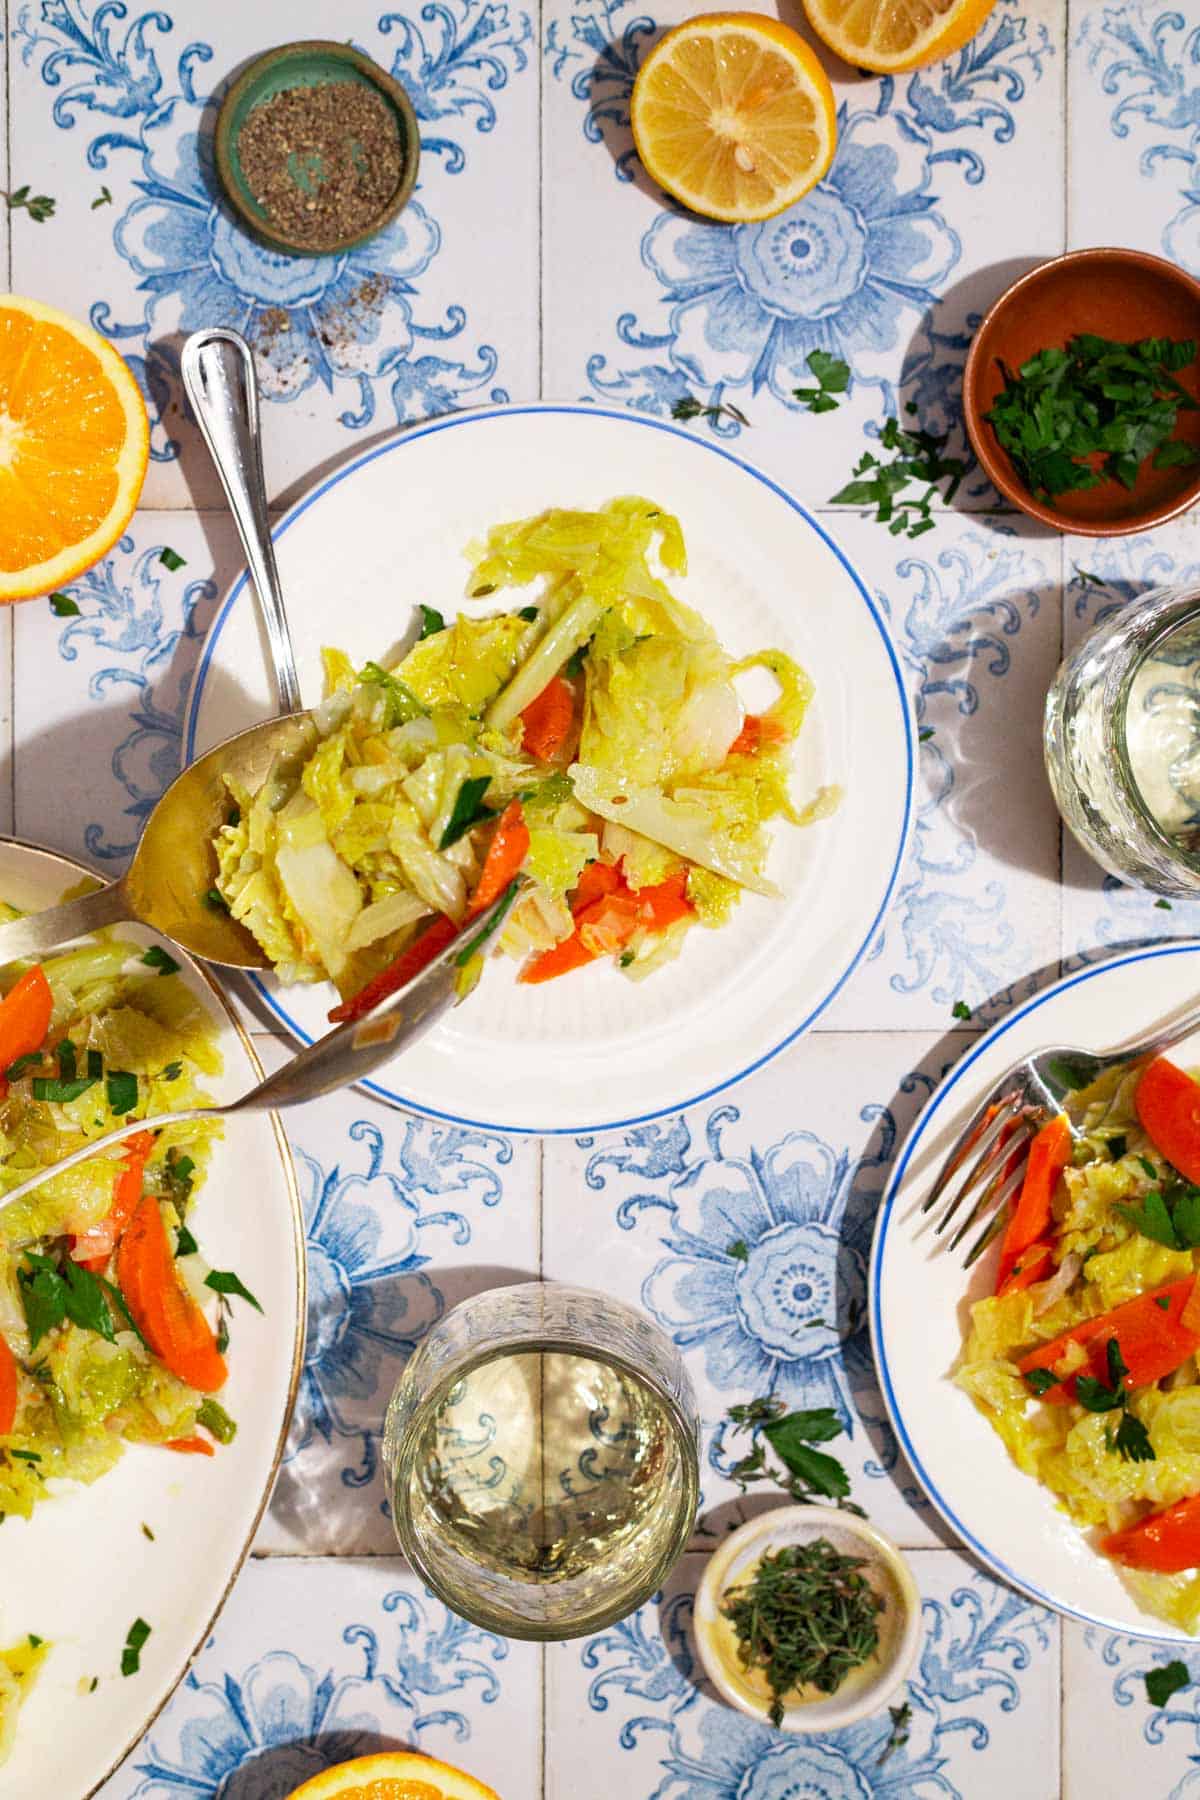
x=919, y=1294
x=595, y=1051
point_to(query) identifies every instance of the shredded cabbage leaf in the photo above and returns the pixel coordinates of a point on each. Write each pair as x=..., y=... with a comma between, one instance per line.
x=347, y=854
x=84, y=1391
x=1067, y=1448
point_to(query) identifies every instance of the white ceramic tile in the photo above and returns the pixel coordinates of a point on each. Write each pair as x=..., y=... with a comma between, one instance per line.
x=1135, y=162
x=1101, y=914
x=5, y=183
x=315, y=1662
x=405, y=1217
x=1109, y=1722
x=641, y=1720
x=743, y=1229
x=975, y=612
x=100, y=695
x=438, y=311
x=910, y=236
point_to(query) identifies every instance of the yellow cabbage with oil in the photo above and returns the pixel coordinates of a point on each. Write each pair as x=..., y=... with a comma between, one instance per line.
x=1065, y=1447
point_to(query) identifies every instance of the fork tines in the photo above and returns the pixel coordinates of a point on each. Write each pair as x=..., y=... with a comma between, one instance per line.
x=989, y=1162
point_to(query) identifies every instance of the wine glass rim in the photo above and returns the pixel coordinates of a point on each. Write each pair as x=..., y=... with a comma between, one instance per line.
x=1173, y=620
x=467, y=1603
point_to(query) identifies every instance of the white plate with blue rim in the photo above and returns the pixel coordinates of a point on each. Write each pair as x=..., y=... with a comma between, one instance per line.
x=159, y=1537
x=595, y=1051
x=919, y=1297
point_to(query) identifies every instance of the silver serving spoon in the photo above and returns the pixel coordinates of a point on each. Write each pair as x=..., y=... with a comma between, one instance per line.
x=348, y=1054
x=168, y=885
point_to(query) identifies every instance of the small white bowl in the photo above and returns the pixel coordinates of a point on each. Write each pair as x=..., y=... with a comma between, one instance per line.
x=899, y=1623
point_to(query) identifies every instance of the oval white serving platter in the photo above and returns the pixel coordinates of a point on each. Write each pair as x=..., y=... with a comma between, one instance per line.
x=81, y=1570
x=594, y=1050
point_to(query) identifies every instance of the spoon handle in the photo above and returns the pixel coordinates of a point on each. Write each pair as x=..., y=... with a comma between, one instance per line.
x=41, y=931
x=220, y=383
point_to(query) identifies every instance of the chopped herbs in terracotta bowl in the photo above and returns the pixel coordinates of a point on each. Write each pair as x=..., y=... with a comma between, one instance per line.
x=1081, y=392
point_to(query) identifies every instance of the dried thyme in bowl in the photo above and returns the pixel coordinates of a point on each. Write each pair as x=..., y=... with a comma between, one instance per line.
x=807, y=1617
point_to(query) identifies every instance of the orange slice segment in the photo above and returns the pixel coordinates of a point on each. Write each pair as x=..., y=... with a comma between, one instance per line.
x=889, y=36
x=393, y=1775
x=74, y=442
x=733, y=114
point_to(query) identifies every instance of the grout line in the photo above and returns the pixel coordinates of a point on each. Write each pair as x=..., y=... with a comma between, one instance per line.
x=8, y=144
x=12, y=625
x=1062, y=1707
x=541, y=203
x=1061, y=834
x=1066, y=113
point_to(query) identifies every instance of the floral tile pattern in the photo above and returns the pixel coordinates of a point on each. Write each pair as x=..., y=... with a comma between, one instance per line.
x=404, y=1218
x=121, y=100
x=744, y=1230
x=1135, y=102
x=886, y=264
x=372, y=1662
x=982, y=1695
x=1111, y=1722
x=103, y=688
x=536, y=257
x=974, y=607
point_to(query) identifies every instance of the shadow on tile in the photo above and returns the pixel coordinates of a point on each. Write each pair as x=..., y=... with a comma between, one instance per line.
x=931, y=373
x=275, y=1772
x=330, y=1493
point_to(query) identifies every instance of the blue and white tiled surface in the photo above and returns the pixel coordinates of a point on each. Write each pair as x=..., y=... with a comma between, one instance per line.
x=537, y=259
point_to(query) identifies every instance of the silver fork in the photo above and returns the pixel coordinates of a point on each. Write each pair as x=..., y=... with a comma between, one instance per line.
x=988, y=1157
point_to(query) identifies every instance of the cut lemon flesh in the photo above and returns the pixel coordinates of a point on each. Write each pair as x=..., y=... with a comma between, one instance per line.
x=733, y=115
x=889, y=36
x=74, y=441
x=393, y=1775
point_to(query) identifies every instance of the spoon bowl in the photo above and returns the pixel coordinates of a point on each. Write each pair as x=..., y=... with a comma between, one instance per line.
x=169, y=883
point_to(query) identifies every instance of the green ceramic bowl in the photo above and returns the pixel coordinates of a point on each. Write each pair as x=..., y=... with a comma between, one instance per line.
x=309, y=64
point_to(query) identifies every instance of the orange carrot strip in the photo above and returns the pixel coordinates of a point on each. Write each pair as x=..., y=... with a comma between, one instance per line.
x=1168, y=1105
x=25, y=1017
x=1030, y=1266
x=547, y=720
x=1049, y=1155
x=1152, y=1339
x=432, y=941
x=193, y=1446
x=99, y=1241
x=8, y=1387
x=1168, y=1542
x=163, y=1309
x=505, y=854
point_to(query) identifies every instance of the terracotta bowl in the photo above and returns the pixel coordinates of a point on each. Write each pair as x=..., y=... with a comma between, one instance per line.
x=1121, y=294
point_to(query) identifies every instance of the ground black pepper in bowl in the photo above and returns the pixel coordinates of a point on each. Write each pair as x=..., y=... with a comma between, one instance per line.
x=322, y=162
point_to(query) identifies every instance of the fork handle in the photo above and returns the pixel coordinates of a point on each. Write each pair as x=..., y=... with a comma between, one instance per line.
x=1148, y=1048
x=40, y=931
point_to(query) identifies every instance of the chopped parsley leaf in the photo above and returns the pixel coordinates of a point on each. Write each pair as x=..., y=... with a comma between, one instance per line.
x=131, y=1656
x=1161, y=1683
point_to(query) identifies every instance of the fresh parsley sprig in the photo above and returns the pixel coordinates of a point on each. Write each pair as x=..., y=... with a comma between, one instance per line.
x=1130, y=1441
x=832, y=377
x=917, y=458
x=806, y=1474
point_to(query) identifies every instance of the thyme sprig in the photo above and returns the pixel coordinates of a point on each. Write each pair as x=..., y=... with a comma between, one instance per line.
x=807, y=1617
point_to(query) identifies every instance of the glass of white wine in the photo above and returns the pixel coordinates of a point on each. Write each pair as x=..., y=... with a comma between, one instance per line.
x=542, y=1451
